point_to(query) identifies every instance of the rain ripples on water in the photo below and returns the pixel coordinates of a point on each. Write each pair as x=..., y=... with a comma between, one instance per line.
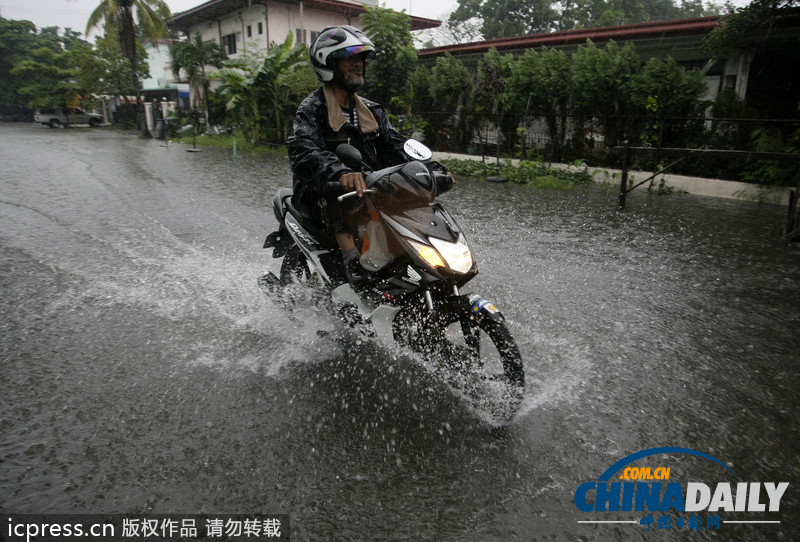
x=144, y=371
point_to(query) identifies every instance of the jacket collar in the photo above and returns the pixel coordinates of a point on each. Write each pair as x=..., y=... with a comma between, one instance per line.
x=366, y=120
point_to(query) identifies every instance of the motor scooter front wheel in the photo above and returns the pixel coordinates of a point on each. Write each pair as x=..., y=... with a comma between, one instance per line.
x=477, y=354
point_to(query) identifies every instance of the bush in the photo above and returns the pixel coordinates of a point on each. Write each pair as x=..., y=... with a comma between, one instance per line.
x=535, y=174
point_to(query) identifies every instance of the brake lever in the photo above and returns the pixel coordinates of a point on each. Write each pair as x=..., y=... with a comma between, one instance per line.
x=354, y=193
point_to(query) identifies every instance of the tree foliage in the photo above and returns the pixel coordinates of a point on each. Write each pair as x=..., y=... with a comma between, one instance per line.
x=490, y=87
x=611, y=87
x=18, y=42
x=192, y=58
x=668, y=98
x=261, y=89
x=502, y=18
x=122, y=20
x=42, y=68
x=46, y=78
x=602, y=79
x=506, y=18
x=388, y=74
x=739, y=30
x=451, y=90
x=541, y=83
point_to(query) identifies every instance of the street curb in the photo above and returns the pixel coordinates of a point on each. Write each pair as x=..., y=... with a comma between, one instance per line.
x=700, y=186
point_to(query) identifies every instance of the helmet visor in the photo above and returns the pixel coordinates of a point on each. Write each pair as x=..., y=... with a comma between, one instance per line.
x=353, y=50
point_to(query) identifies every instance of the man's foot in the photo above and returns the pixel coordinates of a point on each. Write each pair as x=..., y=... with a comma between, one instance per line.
x=357, y=276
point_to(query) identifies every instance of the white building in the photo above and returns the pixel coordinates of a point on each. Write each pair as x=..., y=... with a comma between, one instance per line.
x=242, y=25
x=160, y=64
x=251, y=25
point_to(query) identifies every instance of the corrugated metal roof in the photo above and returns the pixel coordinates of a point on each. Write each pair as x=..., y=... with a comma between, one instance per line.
x=699, y=25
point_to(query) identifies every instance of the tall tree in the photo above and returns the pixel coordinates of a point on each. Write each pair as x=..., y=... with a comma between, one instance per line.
x=35, y=69
x=388, y=73
x=107, y=70
x=490, y=86
x=504, y=18
x=602, y=79
x=451, y=88
x=669, y=97
x=17, y=41
x=741, y=29
x=47, y=78
x=120, y=19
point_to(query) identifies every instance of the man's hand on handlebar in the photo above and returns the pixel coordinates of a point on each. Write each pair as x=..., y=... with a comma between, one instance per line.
x=353, y=181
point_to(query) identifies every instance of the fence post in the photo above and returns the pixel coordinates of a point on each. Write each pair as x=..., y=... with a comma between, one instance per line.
x=623, y=186
x=793, y=220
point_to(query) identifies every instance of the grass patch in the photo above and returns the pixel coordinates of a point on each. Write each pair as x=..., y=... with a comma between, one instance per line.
x=532, y=173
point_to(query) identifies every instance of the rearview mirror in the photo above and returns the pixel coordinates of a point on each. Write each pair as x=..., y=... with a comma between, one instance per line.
x=417, y=150
x=350, y=156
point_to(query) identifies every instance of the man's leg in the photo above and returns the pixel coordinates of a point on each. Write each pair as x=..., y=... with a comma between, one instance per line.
x=356, y=275
x=346, y=241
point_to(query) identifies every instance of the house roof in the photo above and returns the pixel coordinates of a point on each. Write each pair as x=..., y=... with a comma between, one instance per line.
x=658, y=29
x=215, y=9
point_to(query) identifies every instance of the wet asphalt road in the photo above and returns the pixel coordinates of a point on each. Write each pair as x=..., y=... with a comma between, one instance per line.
x=143, y=371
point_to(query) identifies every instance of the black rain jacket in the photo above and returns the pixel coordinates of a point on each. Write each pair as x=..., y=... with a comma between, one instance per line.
x=320, y=127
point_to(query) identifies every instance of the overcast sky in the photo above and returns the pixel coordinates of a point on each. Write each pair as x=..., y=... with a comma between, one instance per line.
x=75, y=13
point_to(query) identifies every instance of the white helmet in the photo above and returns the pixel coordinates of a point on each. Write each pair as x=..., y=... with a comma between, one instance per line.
x=335, y=43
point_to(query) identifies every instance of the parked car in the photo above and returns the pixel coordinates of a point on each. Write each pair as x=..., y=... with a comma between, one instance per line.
x=72, y=115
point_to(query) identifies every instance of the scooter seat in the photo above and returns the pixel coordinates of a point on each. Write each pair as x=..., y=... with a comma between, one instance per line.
x=309, y=222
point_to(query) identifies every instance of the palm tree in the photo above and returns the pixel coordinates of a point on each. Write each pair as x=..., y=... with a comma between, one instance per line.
x=116, y=17
x=193, y=57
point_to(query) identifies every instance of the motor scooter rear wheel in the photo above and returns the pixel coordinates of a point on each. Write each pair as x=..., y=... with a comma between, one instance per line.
x=294, y=268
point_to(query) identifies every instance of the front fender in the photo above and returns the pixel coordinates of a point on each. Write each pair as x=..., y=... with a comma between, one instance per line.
x=480, y=308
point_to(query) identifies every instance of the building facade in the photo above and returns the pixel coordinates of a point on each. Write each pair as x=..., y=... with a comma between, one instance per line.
x=242, y=25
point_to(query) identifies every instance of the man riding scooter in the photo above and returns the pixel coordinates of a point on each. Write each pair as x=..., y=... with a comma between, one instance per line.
x=335, y=114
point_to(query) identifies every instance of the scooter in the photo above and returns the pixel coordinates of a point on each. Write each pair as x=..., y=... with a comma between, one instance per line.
x=419, y=261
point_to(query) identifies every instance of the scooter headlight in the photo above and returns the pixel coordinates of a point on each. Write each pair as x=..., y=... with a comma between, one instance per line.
x=456, y=256
x=428, y=253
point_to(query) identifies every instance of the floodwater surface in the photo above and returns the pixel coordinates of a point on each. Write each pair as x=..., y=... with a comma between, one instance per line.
x=143, y=371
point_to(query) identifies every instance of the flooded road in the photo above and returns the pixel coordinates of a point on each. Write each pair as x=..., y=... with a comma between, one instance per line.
x=143, y=371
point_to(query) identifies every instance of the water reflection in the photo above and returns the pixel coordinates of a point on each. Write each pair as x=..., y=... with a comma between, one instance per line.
x=144, y=371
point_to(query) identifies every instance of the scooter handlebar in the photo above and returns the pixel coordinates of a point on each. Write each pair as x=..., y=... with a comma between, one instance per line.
x=354, y=193
x=333, y=188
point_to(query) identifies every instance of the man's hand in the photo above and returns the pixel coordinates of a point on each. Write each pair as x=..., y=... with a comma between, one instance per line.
x=353, y=181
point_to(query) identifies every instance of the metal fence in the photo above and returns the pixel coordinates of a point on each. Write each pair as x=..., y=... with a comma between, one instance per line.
x=593, y=140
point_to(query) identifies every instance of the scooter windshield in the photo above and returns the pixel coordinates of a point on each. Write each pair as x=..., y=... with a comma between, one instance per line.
x=411, y=186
